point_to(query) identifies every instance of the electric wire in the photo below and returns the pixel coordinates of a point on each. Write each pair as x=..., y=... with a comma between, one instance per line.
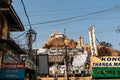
x=28, y=21
x=75, y=17
x=62, y=23
x=98, y=41
x=70, y=21
x=65, y=10
x=20, y=35
x=26, y=14
x=62, y=19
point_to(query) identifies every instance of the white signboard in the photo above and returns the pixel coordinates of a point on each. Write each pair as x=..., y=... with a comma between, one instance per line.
x=93, y=41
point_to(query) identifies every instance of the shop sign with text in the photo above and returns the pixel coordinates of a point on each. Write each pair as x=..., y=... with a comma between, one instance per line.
x=13, y=65
x=12, y=74
x=105, y=61
x=106, y=72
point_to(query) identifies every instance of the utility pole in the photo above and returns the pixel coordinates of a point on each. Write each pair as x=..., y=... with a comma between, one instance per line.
x=66, y=58
x=66, y=63
x=31, y=39
x=30, y=33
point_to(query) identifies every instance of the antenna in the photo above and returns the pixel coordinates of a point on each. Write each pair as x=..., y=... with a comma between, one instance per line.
x=65, y=32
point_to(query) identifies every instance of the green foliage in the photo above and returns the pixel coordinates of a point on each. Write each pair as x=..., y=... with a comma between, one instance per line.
x=106, y=44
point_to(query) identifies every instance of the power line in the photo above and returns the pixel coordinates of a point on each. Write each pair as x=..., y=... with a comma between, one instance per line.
x=26, y=14
x=68, y=10
x=60, y=12
x=75, y=17
x=71, y=18
x=71, y=21
x=62, y=23
x=20, y=35
x=29, y=31
x=31, y=34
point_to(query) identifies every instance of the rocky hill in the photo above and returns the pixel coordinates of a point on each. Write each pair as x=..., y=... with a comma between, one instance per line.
x=104, y=51
x=60, y=40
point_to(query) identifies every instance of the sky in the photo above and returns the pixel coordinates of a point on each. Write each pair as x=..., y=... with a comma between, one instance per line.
x=76, y=16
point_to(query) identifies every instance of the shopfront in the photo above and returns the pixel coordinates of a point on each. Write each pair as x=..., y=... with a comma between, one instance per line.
x=16, y=71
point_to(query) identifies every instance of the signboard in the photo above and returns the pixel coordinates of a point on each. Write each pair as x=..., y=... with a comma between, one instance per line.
x=105, y=67
x=10, y=57
x=29, y=63
x=12, y=74
x=13, y=65
x=106, y=72
x=63, y=50
x=105, y=61
x=92, y=38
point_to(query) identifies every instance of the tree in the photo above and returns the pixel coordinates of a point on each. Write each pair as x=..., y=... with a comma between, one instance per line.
x=106, y=44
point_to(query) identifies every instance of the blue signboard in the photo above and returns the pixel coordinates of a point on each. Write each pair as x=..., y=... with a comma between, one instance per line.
x=12, y=73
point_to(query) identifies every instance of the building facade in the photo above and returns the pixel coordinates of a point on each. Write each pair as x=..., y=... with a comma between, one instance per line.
x=9, y=22
x=11, y=66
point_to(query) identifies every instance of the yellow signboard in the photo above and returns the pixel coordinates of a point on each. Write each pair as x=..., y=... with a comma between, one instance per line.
x=105, y=61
